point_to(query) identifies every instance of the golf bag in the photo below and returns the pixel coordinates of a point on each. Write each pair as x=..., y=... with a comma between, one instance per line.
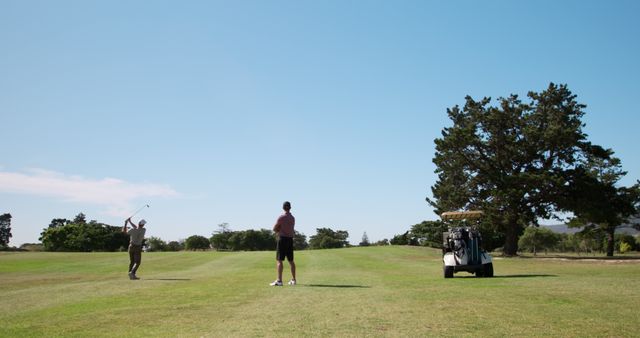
x=465, y=244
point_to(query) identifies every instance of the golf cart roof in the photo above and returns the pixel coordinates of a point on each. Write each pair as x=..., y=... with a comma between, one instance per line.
x=456, y=215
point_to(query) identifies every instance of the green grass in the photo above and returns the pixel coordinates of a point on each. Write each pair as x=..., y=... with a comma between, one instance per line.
x=373, y=291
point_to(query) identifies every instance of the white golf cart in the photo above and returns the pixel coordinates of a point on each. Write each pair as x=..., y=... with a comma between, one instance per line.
x=462, y=246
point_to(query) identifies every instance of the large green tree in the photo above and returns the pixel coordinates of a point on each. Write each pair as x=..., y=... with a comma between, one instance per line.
x=82, y=236
x=512, y=160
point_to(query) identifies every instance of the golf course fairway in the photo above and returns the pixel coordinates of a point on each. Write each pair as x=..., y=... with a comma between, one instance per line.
x=360, y=291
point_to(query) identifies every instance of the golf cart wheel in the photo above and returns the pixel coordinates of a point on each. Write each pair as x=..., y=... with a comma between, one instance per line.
x=488, y=270
x=448, y=271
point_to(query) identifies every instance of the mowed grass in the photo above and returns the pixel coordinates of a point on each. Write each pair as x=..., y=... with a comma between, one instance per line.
x=372, y=291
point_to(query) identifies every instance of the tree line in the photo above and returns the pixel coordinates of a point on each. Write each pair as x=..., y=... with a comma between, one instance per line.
x=591, y=240
x=81, y=236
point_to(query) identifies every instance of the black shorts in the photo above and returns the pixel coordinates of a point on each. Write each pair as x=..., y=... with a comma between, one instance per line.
x=284, y=248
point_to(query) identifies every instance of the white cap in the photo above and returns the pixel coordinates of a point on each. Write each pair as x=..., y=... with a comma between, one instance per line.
x=142, y=222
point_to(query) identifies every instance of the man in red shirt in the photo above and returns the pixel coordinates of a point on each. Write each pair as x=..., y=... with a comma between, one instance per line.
x=284, y=247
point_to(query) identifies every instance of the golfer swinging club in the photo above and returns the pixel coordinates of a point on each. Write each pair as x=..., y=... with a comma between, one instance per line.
x=284, y=247
x=136, y=235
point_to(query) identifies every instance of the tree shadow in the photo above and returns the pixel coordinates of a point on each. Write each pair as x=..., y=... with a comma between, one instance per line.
x=346, y=286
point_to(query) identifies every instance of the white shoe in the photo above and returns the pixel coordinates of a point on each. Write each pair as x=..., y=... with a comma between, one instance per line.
x=276, y=283
x=292, y=282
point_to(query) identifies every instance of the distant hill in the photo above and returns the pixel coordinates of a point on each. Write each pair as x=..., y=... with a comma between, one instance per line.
x=561, y=228
x=564, y=229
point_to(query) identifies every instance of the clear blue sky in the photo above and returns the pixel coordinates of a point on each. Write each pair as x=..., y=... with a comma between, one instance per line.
x=218, y=111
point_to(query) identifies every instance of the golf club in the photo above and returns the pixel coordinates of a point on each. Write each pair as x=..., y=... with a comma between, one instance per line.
x=144, y=206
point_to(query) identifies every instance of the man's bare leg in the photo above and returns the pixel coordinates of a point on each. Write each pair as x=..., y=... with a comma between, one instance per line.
x=279, y=265
x=293, y=269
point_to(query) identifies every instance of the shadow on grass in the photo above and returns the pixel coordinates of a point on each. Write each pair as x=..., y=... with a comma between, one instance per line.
x=580, y=258
x=524, y=276
x=346, y=286
x=170, y=279
x=507, y=276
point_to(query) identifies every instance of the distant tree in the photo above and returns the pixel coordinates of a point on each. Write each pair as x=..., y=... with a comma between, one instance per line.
x=565, y=244
x=197, y=242
x=586, y=241
x=32, y=247
x=58, y=222
x=234, y=242
x=300, y=241
x=224, y=227
x=402, y=239
x=536, y=238
x=156, y=244
x=266, y=240
x=80, y=219
x=514, y=160
x=252, y=240
x=114, y=239
x=54, y=238
x=382, y=242
x=175, y=246
x=5, y=229
x=82, y=236
x=71, y=237
x=596, y=200
x=590, y=239
x=220, y=239
x=326, y=238
x=365, y=240
x=428, y=233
